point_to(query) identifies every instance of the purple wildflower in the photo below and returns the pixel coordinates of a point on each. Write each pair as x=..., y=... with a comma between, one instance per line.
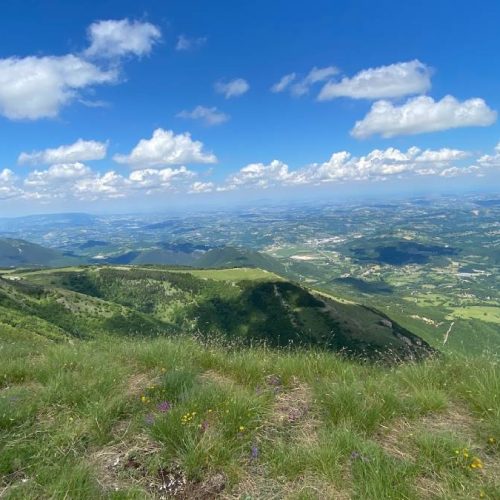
x=149, y=419
x=164, y=406
x=254, y=452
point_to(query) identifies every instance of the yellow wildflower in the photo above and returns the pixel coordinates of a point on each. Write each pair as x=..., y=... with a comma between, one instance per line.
x=476, y=463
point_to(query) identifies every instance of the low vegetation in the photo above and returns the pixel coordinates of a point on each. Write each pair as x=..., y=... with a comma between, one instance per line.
x=128, y=418
x=154, y=383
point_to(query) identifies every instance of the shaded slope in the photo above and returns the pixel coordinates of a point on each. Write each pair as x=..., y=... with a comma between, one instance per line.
x=18, y=253
x=278, y=313
x=239, y=257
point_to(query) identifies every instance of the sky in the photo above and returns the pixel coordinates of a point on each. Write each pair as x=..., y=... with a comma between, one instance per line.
x=121, y=105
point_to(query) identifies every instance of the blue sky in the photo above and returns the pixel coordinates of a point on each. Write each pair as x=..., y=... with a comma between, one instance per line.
x=234, y=100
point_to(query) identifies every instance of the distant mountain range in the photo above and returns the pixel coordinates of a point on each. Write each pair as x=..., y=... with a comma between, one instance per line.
x=20, y=253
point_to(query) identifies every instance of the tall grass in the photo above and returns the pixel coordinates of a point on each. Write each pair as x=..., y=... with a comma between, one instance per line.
x=103, y=418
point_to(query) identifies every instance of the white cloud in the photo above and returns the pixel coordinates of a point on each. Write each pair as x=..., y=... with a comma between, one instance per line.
x=259, y=175
x=166, y=148
x=100, y=186
x=76, y=181
x=316, y=75
x=232, y=88
x=81, y=150
x=209, y=116
x=456, y=171
x=185, y=43
x=284, y=83
x=443, y=155
x=8, y=189
x=35, y=87
x=201, y=187
x=303, y=86
x=343, y=167
x=154, y=179
x=38, y=87
x=57, y=174
x=116, y=38
x=492, y=160
x=395, y=80
x=423, y=114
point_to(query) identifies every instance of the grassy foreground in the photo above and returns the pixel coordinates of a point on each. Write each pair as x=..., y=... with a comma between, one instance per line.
x=170, y=417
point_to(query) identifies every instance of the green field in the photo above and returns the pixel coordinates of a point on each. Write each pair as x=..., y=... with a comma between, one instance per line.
x=482, y=313
x=235, y=274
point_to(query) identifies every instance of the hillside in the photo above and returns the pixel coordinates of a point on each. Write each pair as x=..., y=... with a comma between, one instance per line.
x=237, y=306
x=20, y=253
x=239, y=257
x=170, y=417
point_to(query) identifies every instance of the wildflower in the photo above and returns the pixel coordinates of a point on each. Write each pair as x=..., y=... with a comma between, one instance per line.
x=492, y=440
x=476, y=463
x=242, y=428
x=254, y=452
x=144, y=399
x=164, y=406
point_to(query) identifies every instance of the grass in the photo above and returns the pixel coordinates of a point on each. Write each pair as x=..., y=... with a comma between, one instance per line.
x=131, y=418
x=236, y=274
x=484, y=313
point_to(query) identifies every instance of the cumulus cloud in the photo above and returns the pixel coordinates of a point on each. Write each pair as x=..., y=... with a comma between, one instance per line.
x=343, y=167
x=185, y=43
x=37, y=87
x=118, y=38
x=232, y=88
x=201, y=187
x=259, y=175
x=81, y=150
x=57, y=174
x=8, y=189
x=77, y=181
x=209, y=116
x=423, y=114
x=108, y=185
x=154, y=179
x=166, y=148
x=377, y=165
x=394, y=80
x=492, y=160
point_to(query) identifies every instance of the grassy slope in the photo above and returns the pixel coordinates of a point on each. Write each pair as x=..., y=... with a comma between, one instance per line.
x=246, y=304
x=81, y=420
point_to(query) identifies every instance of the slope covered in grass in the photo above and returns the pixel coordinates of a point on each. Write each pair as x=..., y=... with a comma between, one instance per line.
x=16, y=253
x=141, y=418
x=247, y=307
